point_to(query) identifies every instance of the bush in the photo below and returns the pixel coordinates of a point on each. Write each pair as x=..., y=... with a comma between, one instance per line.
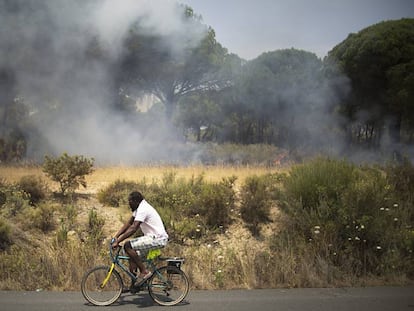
x=318, y=180
x=215, y=202
x=117, y=193
x=34, y=186
x=68, y=171
x=5, y=234
x=177, y=199
x=256, y=200
x=209, y=202
x=401, y=178
x=349, y=216
x=95, y=227
x=13, y=201
x=40, y=217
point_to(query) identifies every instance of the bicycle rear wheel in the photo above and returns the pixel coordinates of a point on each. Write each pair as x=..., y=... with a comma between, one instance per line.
x=96, y=292
x=168, y=286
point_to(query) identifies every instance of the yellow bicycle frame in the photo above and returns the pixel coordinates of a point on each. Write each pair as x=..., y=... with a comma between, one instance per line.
x=108, y=276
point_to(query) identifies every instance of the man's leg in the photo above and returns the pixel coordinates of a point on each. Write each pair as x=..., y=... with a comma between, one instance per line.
x=134, y=260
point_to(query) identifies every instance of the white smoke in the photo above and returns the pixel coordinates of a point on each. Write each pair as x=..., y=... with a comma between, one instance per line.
x=44, y=43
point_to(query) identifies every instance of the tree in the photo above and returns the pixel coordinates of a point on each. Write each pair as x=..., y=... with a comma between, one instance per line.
x=379, y=62
x=274, y=96
x=200, y=114
x=150, y=67
x=13, y=113
x=68, y=171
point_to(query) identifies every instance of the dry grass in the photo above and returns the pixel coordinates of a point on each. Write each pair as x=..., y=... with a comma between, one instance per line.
x=103, y=176
x=223, y=263
x=233, y=259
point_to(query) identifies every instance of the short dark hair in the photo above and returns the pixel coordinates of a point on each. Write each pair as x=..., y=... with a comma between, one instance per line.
x=135, y=196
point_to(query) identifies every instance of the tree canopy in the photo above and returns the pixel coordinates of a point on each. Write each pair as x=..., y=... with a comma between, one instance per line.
x=62, y=78
x=379, y=61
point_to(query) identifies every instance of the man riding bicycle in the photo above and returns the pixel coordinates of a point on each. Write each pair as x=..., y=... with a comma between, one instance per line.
x=155, y=236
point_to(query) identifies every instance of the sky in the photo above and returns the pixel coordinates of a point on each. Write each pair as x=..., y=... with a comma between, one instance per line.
x=249, y=28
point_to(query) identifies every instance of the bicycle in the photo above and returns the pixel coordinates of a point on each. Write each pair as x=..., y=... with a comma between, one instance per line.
x=167, y=286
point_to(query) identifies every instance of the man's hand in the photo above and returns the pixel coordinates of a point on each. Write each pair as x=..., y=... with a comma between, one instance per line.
x=114, y=243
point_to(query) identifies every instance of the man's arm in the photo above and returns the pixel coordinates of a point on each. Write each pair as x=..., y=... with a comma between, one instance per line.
x=124, y=227
x=126, y=232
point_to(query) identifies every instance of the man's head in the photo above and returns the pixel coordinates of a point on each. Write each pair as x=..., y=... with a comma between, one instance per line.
x=134, y=199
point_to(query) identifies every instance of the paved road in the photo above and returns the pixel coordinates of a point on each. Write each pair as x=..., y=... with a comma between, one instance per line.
x=352, y=299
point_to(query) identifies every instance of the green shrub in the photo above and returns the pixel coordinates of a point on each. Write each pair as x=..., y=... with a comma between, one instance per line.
x=14, y=200
x=62, y=234
x=68, y=171
x=95, y=227
x=40, y=217
x=400, y=177
x=214, y=203
x=318, y=180
x=35, y=187
x=178, y=199
x=349, y=216
x=256, y=200
x=117, y=193
x=71, y=214
x=5, y=234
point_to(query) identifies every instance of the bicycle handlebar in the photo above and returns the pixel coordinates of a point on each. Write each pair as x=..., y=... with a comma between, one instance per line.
x=112, y=254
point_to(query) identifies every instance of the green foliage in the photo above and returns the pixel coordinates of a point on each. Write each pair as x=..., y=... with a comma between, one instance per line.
x=13, y=201
x=116, y=194
x=35, y=187
x=349, y=216
x=189, y=208
x=13, y=147
x=62, y=234
x=5, y=234
x=320, y=179
x=210, y=203
x=68, y=171
x=379, y=61
x=40, y=217
x=154, y=70
x=199, y=114
x=256, y=200
x=214, y=203
x=400, y=177
x=95, y=227
x=71, y=214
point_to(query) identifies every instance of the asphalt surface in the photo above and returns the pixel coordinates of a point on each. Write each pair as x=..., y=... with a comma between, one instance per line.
x=338, y=299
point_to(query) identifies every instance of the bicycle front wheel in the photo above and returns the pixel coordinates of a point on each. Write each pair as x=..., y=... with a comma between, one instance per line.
x=168, y=286
x=101, y=288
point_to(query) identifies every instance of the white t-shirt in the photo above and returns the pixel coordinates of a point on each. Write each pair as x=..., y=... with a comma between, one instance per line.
x=151, y=222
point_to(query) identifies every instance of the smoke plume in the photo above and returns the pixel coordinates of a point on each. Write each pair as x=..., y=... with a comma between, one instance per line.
x=48, y=46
